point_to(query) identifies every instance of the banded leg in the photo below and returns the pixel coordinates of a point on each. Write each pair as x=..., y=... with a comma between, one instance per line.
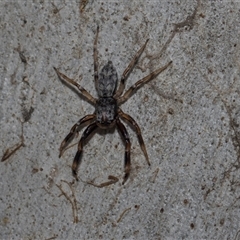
x=84, y=92
x=127, y=160
x=128, y=70
x=77, y=159
x=139, y=83
x=132, y=122
x=95, y=58
x=76, y=128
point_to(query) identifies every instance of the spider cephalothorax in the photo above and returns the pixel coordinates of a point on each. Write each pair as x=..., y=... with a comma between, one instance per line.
x=107, y=111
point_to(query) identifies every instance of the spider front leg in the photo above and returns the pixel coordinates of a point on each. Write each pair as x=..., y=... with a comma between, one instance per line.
x=76, y=128
x=140, y=83
x=127, y=160
x=132, y=122
x=84, y=92
x=77, y=159
x=128, y=70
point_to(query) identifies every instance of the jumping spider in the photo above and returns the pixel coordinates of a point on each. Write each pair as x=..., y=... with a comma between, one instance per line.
x=107, y=112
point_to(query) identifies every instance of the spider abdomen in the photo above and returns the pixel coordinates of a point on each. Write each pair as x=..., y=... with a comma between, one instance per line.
x=107, y=81
x=106, y=111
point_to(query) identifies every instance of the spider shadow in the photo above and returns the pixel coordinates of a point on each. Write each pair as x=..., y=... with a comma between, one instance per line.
x=109, y=131
x=101, y=132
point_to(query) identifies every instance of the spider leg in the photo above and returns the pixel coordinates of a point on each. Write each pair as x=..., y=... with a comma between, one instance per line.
x=84, y=92
x=77, y=159
x=128, y=70
x=132, y=122
x=127, y=160
x=76, y=128
x=95, y=57
x=140, y=83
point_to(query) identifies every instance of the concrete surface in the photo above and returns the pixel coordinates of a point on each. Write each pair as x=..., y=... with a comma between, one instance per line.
x=189, y=116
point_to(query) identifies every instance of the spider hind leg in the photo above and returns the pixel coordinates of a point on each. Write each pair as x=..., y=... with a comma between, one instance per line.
x=82, y=90
x=140, y=83
x=129, y=69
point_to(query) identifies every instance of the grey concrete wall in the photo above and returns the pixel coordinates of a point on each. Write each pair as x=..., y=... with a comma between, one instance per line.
x=189, y=116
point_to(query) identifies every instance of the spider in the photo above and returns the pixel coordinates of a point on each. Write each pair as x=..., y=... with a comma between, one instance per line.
x=107, y=112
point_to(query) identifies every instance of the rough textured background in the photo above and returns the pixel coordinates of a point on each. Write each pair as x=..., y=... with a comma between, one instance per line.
x=189, y=116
